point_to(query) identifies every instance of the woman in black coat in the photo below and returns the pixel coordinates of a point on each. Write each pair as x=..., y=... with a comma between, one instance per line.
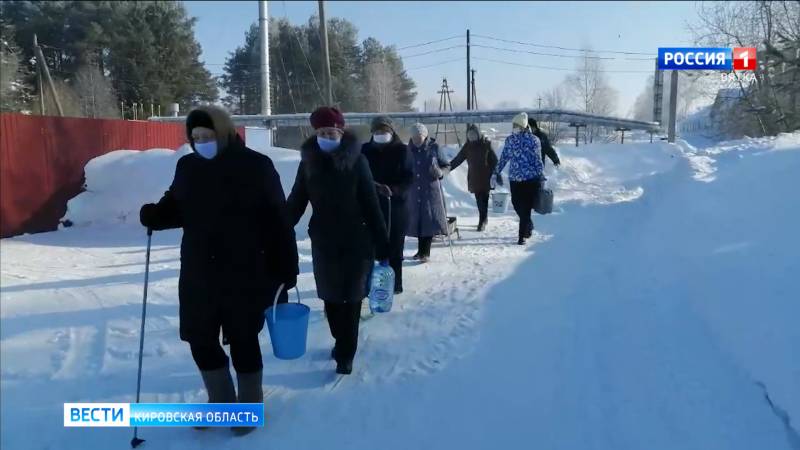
x=390, y=163
x=426, y=214
x=346, y=229
x=237, y=248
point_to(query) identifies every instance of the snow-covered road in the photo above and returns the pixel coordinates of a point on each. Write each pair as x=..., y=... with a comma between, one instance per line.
x=652, y=311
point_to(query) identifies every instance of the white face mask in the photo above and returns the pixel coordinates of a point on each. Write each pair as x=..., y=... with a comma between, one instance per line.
x=382, y=138
x=207, y=150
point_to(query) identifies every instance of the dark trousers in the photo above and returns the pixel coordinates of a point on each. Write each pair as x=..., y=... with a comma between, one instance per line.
x=482, y=199
x=524, y=194
x=343, y=319
x=246, y=355
x=425, y=246
x=397, y=235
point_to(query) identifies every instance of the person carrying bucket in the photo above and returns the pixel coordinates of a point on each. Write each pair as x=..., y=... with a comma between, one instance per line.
x=347, y=230
x=238, y=247
x=522, y=151
x=391, y=164
x=481, y=161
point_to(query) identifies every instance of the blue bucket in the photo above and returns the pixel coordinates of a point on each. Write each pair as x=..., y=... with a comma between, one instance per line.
x=288, y=327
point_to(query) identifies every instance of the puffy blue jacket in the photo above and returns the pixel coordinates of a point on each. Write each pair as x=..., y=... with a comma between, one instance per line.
x=523, y=151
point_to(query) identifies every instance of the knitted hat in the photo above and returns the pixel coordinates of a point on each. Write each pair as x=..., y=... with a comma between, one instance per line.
x=327, y=117
x=382, y=121
x=521, y=120
x=198, y=118
x=419, y=129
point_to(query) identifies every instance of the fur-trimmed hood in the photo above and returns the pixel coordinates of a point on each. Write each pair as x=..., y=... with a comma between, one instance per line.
x=227, y=137
x=344, y=157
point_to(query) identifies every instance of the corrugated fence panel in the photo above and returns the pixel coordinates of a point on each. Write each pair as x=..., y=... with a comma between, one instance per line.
x=42, y=161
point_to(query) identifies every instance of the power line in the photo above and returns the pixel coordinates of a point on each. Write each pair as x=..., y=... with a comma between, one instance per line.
x=428, y=43
x=537, y=53
x=564, y=48
x=555, y=68
x=557, y=55
x=438, y=64
x=433, y=51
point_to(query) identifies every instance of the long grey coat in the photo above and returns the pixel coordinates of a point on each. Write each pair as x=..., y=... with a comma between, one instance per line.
x=426, y=216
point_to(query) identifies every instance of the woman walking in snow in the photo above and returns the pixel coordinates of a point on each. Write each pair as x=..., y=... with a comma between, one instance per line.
x=522, y=152
x=426, y=215
x=237, y=248
x=347, y=230
x=482, y=160
x=390, y=163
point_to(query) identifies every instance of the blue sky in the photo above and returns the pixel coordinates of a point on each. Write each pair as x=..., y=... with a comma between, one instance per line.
x=618, y=26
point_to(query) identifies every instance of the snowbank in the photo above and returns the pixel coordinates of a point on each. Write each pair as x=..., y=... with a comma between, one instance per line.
x=120, y=182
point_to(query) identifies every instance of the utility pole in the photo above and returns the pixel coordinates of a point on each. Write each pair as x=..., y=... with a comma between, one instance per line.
x=446, y=104
x=43, y=66
x=474, y=93
x=469, y=83
x=658, y=93
x=540, y=102
x=263, y=38
x=326, y=58
x=673, y=105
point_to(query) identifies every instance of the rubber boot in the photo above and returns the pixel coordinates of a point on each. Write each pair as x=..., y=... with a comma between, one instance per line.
x=250, y=391
x=219, y=386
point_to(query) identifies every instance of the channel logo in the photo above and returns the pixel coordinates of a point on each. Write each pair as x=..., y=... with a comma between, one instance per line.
x=163, y=414
x=707, y=58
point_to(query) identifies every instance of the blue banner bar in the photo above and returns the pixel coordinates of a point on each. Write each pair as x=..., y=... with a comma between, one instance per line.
x=196, y=414
x=695, y=58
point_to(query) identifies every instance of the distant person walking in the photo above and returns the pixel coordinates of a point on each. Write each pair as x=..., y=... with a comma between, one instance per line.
x=390, y=162
x=426, y=214
x=237, y=248
x=547, y=149
x=522, y=152
x=347, y=230
x=481, y=161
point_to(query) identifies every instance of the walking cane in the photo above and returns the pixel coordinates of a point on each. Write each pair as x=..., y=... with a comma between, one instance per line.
x=136, y=440
x=446, y=220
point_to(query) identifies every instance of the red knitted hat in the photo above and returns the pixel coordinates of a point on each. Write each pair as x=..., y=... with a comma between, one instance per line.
x=327, y=117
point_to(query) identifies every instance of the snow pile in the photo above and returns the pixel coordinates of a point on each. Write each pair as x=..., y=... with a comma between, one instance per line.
x=120, y=182
x=702, y=155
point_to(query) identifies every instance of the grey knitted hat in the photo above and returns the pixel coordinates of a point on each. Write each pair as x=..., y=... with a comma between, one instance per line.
x=382, y=121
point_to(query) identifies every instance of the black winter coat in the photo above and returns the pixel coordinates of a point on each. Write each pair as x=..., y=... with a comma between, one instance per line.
x=346, y=228
x=547, y=149
x=237, y=246
x=391, y=164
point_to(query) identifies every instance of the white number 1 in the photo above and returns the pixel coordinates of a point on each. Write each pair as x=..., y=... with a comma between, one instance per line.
x=746, y=56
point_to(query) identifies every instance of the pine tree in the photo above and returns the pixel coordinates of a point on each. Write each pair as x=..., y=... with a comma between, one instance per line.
x=15, y=92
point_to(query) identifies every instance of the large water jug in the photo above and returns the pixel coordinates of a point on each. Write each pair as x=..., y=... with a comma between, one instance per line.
x=381, y=288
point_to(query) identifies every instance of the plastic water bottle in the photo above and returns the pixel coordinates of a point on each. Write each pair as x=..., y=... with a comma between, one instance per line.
x=381, y=288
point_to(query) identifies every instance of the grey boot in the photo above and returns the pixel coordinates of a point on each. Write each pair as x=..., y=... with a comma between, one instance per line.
x=219, y=385
x=250, y=391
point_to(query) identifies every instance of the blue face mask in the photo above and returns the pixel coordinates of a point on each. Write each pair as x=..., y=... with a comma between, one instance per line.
x=328, y=145
x=207, y=150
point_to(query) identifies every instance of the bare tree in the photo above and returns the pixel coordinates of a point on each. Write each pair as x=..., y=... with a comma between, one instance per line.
x=95, y=93
x=770, y=101
x=591, y=92
x=554, y=98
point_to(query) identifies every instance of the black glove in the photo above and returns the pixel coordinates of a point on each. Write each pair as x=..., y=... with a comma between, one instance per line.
x=499, y=179
x=148, y=215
